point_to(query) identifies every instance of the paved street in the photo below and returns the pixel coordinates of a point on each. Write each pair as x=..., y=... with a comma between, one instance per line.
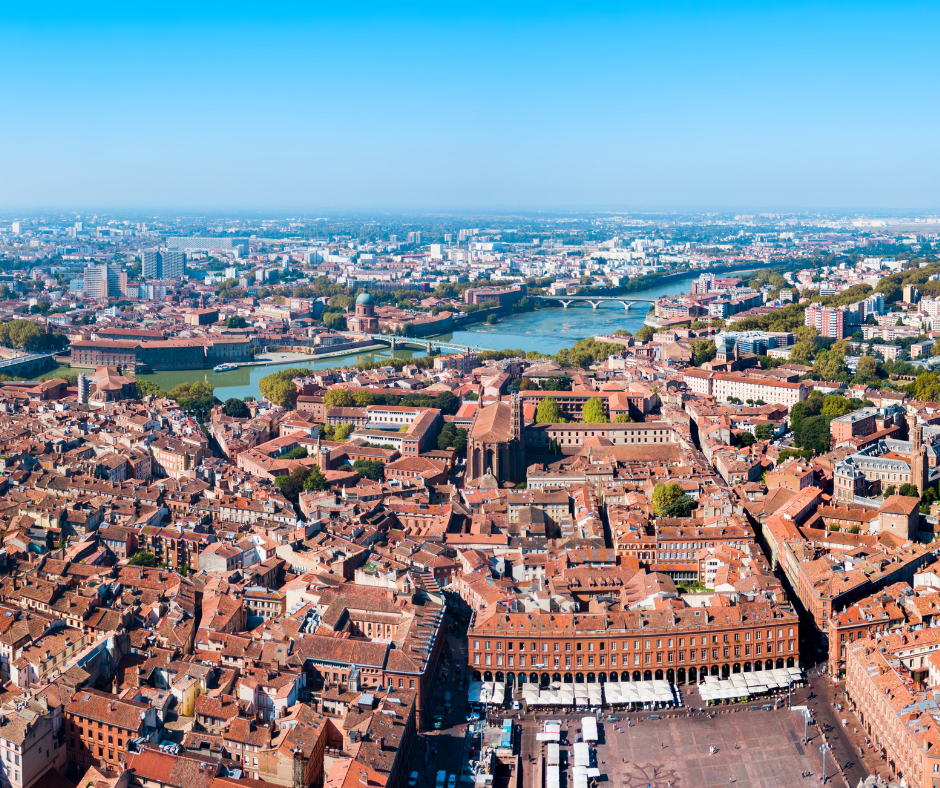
x=845, y=741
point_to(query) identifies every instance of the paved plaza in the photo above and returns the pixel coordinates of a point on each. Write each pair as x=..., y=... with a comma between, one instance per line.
x=757, y=749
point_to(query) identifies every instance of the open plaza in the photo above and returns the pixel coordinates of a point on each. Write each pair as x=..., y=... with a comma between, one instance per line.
x=757, y=749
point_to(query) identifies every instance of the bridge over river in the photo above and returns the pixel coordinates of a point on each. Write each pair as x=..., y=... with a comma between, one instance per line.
x=427, y=344
x=594, y=301
x=27, y=366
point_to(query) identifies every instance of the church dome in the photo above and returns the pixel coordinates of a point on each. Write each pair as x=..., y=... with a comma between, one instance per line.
x=489, y=481
x=364, y=300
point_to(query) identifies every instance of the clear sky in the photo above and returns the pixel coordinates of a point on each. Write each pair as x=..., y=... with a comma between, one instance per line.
x=470, y=105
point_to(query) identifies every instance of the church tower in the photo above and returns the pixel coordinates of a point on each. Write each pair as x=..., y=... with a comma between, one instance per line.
x=918, y=453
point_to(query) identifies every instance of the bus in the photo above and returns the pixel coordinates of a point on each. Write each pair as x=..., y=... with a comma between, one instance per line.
x=505, y=739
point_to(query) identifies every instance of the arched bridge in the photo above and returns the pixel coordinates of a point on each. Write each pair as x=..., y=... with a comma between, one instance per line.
x=595, y=301
x=26, y=365
x=396, y=341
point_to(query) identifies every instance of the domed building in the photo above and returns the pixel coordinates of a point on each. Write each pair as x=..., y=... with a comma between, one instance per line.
x=364, y=321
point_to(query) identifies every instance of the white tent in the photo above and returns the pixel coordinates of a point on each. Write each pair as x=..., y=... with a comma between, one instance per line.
x=589, y=728
x=554, y=754
x=595, y=694
x=582, y=754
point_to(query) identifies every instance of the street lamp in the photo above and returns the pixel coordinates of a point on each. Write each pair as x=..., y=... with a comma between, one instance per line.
x=822, y=748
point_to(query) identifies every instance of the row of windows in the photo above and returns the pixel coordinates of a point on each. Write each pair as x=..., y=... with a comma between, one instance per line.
x=638, y=659
x=702, y=640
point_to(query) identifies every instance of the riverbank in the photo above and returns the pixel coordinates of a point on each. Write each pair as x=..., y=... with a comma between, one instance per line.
x=545, y=330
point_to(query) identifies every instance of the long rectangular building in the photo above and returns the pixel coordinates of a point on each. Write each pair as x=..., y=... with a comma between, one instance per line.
x=196, y=353
x=676, y=645
x=725, y=387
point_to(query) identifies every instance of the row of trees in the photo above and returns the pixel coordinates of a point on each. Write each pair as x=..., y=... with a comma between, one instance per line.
x=548, y=412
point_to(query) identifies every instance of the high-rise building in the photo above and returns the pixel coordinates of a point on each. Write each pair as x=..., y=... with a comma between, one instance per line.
x=84, y=388
x=103, y=281
x=829, y=322
x=163, y=263
x=150, y=258
x=174, y=264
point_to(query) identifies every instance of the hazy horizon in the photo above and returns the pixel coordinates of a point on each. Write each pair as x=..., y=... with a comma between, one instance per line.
x=310, y=108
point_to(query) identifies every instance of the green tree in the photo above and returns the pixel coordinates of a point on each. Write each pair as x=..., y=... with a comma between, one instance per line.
x=926, y=387
x=830, y=365
x=764, y=432
x=334, y=320
x=645, y=334
x=909, y=490
x=548, y=412
x=236, y=409
x=836, y=405
x=664, y=495
x=363, y=398
x=813, y=434
x=746, y=439
x=593, y=412
x=283, y=393
x=293, y=484
x=786, y=454
x=341, y=432
x=236, y=321
x=297, y=453
x=803, y=352
x=452, y=437
x=370, y=469
x=703, y=351
x=681, y=507
x=867, y=370
x=622, y=418
x=339, y=398
x=146, y=388
x=315, y=480
x=143, y=558
x=890, y=490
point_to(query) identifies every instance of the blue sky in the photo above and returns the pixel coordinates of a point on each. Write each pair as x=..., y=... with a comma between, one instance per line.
x=503, y=106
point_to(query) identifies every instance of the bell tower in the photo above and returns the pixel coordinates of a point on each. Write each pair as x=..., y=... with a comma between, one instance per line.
x=915, y=432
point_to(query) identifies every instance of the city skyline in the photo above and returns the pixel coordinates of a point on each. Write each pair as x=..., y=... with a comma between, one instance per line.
x=524, y=108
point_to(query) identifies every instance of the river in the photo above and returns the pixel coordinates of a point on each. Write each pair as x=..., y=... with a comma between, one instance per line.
x=545, y=330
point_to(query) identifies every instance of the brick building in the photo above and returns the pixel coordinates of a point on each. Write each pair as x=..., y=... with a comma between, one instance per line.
x=680, y=646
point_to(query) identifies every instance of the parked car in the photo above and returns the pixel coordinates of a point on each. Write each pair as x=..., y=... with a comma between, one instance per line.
x=452, y=781
x=413, y=780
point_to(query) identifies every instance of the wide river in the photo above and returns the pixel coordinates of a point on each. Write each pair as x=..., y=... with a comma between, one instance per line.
x=546, y=330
